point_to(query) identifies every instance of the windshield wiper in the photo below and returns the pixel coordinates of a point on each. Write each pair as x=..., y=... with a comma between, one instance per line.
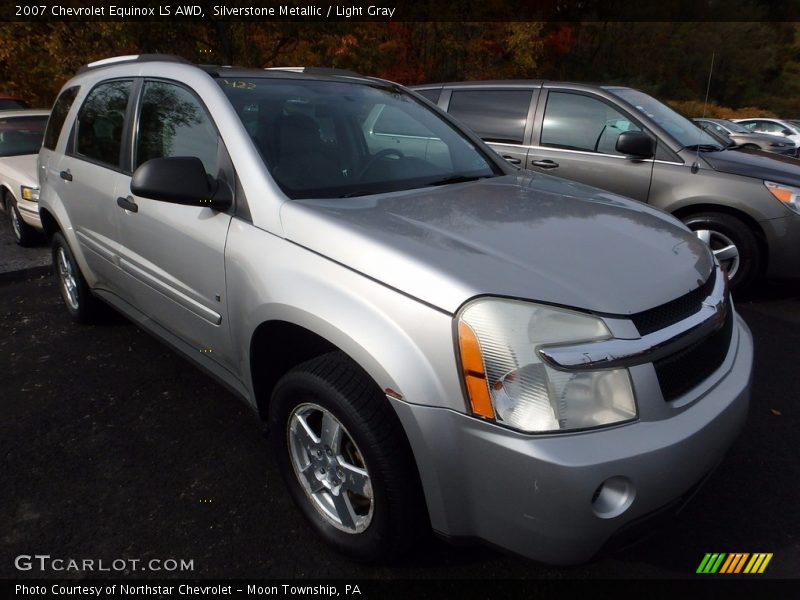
x=459, y=179
x=703, y=147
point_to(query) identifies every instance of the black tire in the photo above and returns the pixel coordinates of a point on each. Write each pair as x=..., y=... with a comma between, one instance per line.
x=724, y=228
x=396, y=517
x=24, y=234
x=83, y=307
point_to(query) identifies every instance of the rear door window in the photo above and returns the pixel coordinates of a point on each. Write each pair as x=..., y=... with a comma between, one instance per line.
x=101, y=123
x=495, y=115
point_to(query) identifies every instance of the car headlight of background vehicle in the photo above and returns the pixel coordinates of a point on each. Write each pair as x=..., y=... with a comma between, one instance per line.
x=787, y=194
x=31, y=194
x=507, y=381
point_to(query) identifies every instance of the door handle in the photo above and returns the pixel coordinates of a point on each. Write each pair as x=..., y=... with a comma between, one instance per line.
x=512, y=160
x=127, y=204
x=545, y=164
x=66, y=175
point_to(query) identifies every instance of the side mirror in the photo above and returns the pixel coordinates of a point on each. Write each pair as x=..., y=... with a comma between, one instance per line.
x=180, y=180
x=635, y=144
x=786, y=132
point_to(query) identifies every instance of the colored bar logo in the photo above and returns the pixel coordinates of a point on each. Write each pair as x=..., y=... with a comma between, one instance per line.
x=734, y=563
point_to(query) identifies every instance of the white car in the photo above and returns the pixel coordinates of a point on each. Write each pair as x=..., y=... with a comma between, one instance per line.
x=779, y=127
x=21, y=133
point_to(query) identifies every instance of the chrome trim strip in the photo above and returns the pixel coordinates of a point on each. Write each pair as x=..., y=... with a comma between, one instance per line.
x=612, y=353
x=589, y=153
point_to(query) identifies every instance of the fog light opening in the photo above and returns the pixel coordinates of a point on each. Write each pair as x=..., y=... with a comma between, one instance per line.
x=613, y=497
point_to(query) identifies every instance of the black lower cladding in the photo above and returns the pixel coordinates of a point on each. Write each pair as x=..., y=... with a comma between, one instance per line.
x=680, y=372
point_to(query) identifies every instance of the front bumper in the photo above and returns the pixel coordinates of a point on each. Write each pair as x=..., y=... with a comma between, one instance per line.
x=783, y=241
x=29, y=211
x=537, y=495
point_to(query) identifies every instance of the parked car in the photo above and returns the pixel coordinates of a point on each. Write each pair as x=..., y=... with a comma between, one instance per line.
x=744, y=205
x=782, y=128
x=744, y=138
x=12, y=103
x=21, y=135
x=434, y=338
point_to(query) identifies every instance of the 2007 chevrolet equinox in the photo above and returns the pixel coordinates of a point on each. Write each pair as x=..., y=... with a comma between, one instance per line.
x=435, y=338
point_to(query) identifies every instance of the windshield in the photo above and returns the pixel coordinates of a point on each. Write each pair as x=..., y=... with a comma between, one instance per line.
x=330, y=139
x=686, y=133
x=21, y=135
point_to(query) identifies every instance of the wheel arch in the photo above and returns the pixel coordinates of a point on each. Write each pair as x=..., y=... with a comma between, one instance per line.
x=276, y=347
x=50, y=224
x=4, y=191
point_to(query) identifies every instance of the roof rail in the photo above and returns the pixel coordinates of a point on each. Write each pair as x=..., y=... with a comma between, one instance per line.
x=133, y=58
x=316, y=71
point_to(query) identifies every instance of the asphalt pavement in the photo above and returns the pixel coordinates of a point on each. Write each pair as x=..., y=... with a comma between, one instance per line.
x=112, y=446
x=16, y=258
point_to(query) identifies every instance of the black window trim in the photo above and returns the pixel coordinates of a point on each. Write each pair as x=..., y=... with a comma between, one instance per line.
x=70, y=149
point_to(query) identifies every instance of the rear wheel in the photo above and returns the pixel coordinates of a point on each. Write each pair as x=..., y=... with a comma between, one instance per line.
x=733, y=243
x=344, y=457
x=81, y=304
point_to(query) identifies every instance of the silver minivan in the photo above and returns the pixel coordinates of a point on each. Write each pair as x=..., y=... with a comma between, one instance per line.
x=744, y=203
x=437, y=340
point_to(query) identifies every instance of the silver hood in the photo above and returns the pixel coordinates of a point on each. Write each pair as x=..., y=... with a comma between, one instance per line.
x=534, y=237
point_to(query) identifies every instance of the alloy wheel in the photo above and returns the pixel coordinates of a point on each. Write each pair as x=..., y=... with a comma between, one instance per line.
x=330, y=468
x=69, y=283
x=723, y=248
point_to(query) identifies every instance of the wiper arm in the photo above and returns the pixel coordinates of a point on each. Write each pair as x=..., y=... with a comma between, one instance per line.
x=459, y=179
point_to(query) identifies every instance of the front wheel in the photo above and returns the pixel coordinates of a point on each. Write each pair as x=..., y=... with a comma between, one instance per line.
x=344, y=457
x=24, y=234
x=733, y=243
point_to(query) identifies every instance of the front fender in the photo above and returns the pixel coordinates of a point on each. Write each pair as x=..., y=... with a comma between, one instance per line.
x=402, y=343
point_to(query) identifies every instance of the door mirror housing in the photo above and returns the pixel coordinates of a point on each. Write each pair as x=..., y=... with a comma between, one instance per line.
x=786, y=132
x=180, y=180
x=635, y=144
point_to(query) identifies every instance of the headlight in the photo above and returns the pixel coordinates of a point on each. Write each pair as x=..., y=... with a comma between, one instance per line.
x=29, y=193
x=787, y=194
x=507, y=382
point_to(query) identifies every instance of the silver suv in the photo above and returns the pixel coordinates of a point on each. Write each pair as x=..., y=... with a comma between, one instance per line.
x=435, y=339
